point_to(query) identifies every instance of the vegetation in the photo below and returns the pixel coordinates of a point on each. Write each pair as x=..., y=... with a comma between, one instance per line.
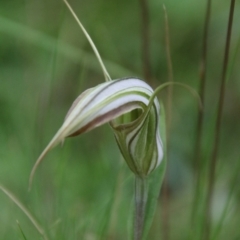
x=84, y=189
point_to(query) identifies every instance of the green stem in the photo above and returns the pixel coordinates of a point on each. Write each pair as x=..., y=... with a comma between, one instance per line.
x=198, y=166
x=141, y=194
x=216, y=142
x=165, y=192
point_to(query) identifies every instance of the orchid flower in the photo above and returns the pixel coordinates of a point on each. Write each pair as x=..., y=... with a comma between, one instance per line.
x=132, y=109
x=133, y=115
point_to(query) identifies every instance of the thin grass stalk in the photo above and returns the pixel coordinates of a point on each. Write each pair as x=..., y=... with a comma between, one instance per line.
x=170, y=73
x=145, y=36
x=165, y=195
x=233, y=60
x=141, y=195
x=105, y=72
x=198, y=166
x=21, y=231
x=213, y=161
x=25, y=211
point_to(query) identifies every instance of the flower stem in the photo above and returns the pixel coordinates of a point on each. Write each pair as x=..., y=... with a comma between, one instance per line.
x=141, y=194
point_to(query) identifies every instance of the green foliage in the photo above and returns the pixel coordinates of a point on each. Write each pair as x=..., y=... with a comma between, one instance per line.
x=83, y=191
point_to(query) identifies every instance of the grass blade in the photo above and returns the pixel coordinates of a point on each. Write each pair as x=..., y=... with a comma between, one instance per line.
x=22, y=233
x=105, y=72
x=24, y=210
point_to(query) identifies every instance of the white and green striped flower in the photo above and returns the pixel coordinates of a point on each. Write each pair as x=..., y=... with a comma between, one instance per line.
x=132, y=110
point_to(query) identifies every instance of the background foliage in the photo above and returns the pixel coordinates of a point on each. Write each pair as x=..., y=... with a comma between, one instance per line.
x=84, y=190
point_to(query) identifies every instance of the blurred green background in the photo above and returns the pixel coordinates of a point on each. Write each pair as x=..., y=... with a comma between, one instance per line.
x=84, y=190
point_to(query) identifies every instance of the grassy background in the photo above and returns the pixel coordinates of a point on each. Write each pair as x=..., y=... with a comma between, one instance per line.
x=84, y=190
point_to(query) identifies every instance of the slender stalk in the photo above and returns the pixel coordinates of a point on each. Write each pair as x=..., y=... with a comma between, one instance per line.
x=141, y=194
x=145, y=36
x=170, y=72
x=213, y=162
x=203, y=72
x=25, y=211
x=198, y=166
x=165, y=195
x=105, y=72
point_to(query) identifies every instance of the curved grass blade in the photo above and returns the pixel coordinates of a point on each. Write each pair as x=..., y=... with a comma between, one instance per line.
x=105, y=72
x=25, y=211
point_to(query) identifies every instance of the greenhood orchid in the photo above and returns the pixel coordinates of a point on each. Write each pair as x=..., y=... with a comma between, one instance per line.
x=132, y=109
x=133, y=113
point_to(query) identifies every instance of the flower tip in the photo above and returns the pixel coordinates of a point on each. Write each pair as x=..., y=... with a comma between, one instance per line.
x=34, y=170
x=59, y=137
